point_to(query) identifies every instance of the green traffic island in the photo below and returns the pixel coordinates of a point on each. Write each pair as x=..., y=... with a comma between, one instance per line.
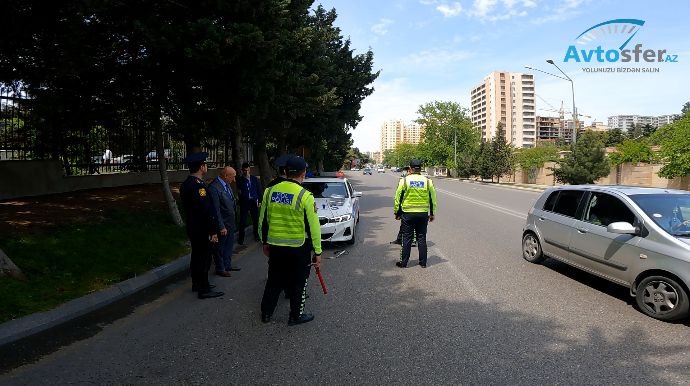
x=75, y=259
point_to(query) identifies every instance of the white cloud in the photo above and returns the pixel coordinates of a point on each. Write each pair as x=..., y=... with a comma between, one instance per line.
x=481, y=7
x=436, y=57
x=381, y=27
x=400, y=6
x=428, y=2
x=450, y=11
x=529, y=3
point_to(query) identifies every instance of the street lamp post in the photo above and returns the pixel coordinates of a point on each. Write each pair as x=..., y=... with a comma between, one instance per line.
x=572, y=86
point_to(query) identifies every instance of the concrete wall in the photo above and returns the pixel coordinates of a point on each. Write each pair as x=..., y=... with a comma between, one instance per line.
x=37, y=178
x=640, y=174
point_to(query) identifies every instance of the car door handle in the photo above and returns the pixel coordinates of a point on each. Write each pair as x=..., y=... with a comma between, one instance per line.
x=582, y=230
x=541, y=219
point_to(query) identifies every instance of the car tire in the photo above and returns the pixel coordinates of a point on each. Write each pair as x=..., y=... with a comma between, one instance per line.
x=531, y=248
x=662, y=298
x=354, y=235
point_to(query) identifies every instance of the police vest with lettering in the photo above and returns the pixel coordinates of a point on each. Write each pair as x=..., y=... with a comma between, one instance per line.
x=285, y=210
x=415, y=193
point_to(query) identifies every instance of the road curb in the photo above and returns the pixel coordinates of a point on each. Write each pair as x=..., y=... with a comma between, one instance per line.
x=31, y=324
x=535, y=189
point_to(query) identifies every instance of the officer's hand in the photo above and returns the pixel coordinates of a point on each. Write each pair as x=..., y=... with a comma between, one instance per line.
x=316, y=261
x=266, y=249
x=214, y=238
x=397, y=217
x=432, y=218
x=223, y=232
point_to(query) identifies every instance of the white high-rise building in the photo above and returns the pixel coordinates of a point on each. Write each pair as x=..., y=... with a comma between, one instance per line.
x=624, y=122
x=391, y=134
x=506, y=98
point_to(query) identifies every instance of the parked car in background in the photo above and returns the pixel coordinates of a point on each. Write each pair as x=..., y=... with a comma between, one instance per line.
x=337, y=205
x=355, y=169
x=366, y=171
x=380, y=170
x=633, y=236
x=424, y=173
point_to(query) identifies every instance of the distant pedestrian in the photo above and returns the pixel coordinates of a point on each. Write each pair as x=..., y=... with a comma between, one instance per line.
x=250, y=200
x=415, y=205
x=290, y=230
x=202, y=224
x=225, y=205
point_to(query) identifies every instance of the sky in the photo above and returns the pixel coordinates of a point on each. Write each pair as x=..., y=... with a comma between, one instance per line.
x=431, y=50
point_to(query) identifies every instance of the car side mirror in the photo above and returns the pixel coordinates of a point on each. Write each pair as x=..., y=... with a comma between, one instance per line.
x=358, y=194
x=621, y=228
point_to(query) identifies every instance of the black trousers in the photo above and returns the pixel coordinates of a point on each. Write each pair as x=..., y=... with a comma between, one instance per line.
x=202, y=250
x=253, y=209
x=411, y=223
x=290, y=265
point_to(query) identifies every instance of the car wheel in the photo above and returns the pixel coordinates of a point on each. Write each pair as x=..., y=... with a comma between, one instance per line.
x=354, y=235
x=662, y=298
x=531, y=249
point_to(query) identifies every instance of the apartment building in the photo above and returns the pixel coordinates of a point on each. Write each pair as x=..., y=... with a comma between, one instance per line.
x=377, y=156
x=624, y=122
x=506, y=98
x=550, y=128
x=598, y=126
x=391, y=134
x=412, y=133
x=570, y=125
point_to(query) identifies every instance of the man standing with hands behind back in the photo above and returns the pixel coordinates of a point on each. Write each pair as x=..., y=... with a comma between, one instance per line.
x=250, y=201
x=225, y=202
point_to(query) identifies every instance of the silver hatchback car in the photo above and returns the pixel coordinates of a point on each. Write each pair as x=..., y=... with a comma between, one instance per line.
x=633, y=236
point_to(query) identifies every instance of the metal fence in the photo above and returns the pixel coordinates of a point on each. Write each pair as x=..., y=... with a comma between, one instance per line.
x=127, y=145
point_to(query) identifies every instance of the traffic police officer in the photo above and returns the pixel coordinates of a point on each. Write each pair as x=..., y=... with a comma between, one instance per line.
x=289, y=230
x=202, y=224
x=415, y=205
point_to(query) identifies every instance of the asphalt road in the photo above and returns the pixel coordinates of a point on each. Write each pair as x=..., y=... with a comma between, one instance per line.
x=479, y=314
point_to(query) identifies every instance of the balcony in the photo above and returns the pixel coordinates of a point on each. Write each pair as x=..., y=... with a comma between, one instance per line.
x=528, y=107
x=525, y=89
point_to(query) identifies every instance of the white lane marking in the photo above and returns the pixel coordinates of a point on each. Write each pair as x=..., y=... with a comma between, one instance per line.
x=472, y=289
x=484, y=204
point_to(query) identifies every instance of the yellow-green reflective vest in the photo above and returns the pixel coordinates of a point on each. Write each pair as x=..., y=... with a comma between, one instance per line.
x=285, y=207
x=415, y=194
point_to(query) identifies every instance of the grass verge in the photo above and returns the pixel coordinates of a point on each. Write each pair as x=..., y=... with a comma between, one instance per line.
x=84, y=257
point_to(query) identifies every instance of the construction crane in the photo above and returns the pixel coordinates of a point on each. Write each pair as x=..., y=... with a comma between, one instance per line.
x=561, y=113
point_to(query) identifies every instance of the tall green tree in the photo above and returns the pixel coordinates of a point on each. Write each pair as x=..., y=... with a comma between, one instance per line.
x=502, y=153
x=586, y=162
x=674, y=142
x=632, y=152
x=615, y=137
x=445, y=125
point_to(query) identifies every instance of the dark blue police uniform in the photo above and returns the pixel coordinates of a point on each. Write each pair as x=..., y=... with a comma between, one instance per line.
x=201, y=225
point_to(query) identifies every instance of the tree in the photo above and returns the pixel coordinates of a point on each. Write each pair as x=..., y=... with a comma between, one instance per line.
x=585, y=163
x=632, y=152
x=674, y=142
x=443, y=123
x=536, y=157
x=615, y=137
x=485, y=161
x=502, y=154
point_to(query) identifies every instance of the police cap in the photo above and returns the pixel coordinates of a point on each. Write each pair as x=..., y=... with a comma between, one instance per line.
x=295, y=164
x=415, y=164
x=280, y=161
x=196, y=157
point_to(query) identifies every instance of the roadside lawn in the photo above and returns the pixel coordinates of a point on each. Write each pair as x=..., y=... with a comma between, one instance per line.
x=71, y=244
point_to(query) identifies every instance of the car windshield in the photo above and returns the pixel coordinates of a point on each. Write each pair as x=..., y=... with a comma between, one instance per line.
x=326, y=189
x=367, y=170
x=670, y=211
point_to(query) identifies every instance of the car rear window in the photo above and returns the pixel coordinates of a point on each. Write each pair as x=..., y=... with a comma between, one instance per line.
x=564, y=202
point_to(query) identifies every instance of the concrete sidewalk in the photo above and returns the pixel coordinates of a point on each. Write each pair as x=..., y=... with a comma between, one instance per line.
x=31, y=324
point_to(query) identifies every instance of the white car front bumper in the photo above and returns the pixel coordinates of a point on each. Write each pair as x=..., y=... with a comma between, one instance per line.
x=335, y=232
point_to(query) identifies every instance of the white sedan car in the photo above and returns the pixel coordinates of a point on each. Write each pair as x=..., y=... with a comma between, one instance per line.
x=337, y=205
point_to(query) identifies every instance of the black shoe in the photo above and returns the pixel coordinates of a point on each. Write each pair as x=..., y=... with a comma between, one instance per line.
x=194, y=289
x=302, y=319
x=257, y=239
x=265, y=318
x=422, y=265
x=399, y=265
x=211, y=294
x=396, y=242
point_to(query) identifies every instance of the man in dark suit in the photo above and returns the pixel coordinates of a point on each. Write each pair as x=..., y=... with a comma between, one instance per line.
x=250, y=201
x=202, y=224
x=222, y=195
